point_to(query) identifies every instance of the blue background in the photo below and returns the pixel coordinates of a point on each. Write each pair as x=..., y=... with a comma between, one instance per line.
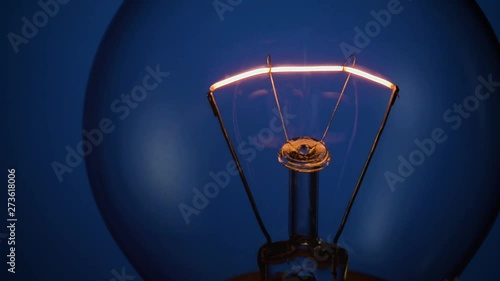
x=60, y=232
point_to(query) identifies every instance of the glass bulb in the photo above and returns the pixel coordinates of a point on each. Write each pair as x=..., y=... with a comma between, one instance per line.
x=170, y=194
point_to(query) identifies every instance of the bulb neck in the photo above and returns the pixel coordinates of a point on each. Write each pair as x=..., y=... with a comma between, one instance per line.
x=303, y=207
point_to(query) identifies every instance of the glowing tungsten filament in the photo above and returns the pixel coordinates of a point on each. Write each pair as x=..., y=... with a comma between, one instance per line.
x=292, y=69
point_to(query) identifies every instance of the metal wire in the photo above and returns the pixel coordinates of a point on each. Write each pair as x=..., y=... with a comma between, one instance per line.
x=340, y=97
x=394, y=95
x=276, y=97
x=216, y=112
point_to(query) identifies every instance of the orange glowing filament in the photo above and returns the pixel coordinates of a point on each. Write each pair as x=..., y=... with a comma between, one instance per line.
x=292, y=69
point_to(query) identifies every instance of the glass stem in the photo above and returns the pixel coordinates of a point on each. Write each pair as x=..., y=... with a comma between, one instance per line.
x=303, y=216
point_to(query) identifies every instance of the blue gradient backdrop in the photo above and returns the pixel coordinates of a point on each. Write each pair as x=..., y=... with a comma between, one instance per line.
x=60, y=233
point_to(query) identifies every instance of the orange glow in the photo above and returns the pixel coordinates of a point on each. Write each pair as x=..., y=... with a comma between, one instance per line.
x=295, y=69
x=370, y=77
